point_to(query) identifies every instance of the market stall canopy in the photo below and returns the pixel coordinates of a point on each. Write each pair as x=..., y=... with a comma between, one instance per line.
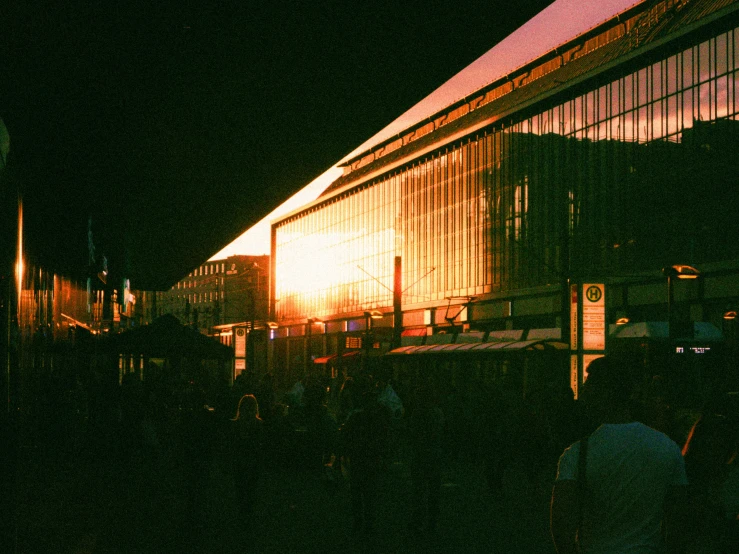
x=166, y=337
x=702, y=330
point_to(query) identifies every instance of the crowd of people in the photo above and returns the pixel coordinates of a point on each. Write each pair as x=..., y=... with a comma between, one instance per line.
x=624, y=477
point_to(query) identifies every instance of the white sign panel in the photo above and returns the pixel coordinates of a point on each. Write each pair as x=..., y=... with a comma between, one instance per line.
x=240, y=342
x=594, y=316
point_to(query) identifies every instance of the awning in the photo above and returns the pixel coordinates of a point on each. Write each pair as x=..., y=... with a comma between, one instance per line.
x=414, y=332
x=702, y=331
x=347, y=355
x=480, y=348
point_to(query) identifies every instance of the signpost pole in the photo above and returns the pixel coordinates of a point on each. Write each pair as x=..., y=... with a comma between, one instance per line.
x=587, y=329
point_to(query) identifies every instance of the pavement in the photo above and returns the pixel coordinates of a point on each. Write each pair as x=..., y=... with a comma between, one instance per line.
x=79, y=502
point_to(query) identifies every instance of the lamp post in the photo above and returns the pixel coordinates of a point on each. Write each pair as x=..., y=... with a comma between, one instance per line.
x=366, y=342
x=308, y=345
x=682, y=272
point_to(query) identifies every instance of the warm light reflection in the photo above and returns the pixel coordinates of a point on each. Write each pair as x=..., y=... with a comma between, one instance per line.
x=319, y=272
x=19, y=263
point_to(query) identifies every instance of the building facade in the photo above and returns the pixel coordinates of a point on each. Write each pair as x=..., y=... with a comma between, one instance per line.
x=607, y=159
x=219, y=294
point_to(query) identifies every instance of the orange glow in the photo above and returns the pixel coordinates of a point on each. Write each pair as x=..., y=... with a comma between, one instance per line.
x=310, y=265
x=19, y=263
x=686, y=272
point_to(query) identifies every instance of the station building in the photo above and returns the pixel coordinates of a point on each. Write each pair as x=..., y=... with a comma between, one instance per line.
x=610, y=159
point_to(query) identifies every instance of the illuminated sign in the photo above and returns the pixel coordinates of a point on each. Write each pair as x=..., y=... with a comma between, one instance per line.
x=594, y=317
x=353, y=342
x=693, y=349
x=240, y=343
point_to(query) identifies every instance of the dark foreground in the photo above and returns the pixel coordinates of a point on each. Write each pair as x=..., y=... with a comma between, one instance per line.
x=81, y=503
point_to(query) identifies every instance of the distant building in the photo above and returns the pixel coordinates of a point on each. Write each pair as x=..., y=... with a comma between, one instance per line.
x=219, y=293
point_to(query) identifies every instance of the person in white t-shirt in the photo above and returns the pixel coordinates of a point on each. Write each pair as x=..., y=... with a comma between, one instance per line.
x=634, y=477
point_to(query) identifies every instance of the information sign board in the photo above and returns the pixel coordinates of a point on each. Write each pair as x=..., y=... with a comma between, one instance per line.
x=240, y=342
x=594, y=317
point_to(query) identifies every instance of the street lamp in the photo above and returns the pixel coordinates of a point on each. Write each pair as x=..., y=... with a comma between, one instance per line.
x=368, y=317
x=308, y=346
x=682, y=272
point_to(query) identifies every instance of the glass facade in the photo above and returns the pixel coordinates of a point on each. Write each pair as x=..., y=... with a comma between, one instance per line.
x=635, y=172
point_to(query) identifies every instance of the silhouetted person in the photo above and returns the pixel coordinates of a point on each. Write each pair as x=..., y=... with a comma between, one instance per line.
x=365, y=440
x=322, y=429
x=133, y=406
x=504, y=433
x=246, y=453
x=266, y=396
x=633, y=476
x=712, y=463
x=197, y=434
x=426, y=430
x=347, y=400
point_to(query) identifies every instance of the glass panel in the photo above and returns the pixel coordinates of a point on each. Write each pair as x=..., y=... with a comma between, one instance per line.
x=704, y=103
x=615, y=98
x=672, y=115
x=642, y=125
x=590, y=115
x=628, y=129
x=721, y=55
x=567, y=118
x=656, y=81
x=671, y=74
x=722, y=103
x=602, y=103
x=642, y=87
x=688, y=110
x=578, y=119
x=628, y=91
x=688, y=68
x=703, y=62
x=657, y=121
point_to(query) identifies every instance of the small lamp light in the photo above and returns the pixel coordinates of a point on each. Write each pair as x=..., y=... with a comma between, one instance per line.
x=681, y=271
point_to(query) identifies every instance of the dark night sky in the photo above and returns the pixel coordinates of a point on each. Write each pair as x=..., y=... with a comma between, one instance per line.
x=177, y=125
